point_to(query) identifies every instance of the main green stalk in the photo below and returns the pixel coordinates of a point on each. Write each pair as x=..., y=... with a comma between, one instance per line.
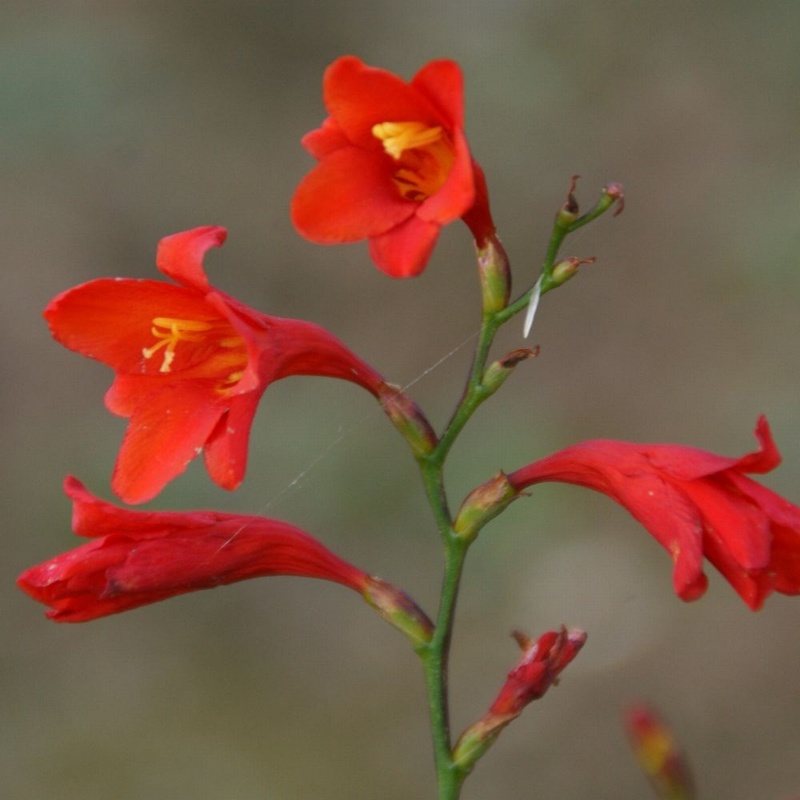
x=435, y=655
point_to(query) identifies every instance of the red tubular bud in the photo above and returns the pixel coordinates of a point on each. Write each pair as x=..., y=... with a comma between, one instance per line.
x=658, y=753
x=541, y=663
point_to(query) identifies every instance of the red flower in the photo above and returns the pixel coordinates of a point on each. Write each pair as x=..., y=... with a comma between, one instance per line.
x=191, y=363
x=694, y=503
x=139, y=557
x=394, y=164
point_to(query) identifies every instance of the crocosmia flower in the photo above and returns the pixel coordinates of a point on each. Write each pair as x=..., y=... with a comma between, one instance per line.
x=191, y=363
x=137, y=557
x=695, y=504
x=394, y=165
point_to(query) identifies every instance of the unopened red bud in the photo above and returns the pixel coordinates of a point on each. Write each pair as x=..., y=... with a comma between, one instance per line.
x=482, y=505
x=399, y=610
x=542, y=662
x=567, y=269
x=658, y=753
x=497, y=372
x=408, y=418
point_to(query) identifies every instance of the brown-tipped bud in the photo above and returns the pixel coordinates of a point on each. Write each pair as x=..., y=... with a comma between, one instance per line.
x=497, y=372
x=495, y=274
x=408, y=418
x=615, y=192
x=542, y=662
x=482, y=505
x=570, y=211
x=567, y=269
x=399, y=610
x=658, y=753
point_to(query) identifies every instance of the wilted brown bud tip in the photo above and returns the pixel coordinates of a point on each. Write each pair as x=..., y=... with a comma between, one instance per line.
x=568, y=212
x=616, y=192
x=571, y=205
x=567, y=268
x=510, y=360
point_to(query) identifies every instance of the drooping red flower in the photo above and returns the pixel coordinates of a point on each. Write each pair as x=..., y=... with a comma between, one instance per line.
x=394, y=165
x=695, y=504
x=191, y=364
x=139, y=557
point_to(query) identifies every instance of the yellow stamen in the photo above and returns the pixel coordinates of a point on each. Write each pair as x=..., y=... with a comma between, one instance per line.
x=171, y=331
x=424, y=156
x=398, y=137
x=231, y=380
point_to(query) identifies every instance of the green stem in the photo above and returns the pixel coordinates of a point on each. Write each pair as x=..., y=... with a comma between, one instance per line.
x=436, y=654
x=435, y=657
x=435, y=663
x=474, y=392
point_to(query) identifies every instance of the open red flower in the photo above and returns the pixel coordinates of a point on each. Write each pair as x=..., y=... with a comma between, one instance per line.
x=695, y=504
x=191, y=364
x=138, y=557
x=394, y=165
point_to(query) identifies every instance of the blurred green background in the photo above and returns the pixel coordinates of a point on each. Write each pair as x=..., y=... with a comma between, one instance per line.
x=121, y=122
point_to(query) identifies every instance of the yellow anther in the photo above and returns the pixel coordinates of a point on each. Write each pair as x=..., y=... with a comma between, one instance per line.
x=397, y=137
x=424, y=156
x=171, y=331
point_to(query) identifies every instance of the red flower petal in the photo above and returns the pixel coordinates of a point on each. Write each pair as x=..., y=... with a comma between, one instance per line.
x=358, y=97
x=394, y=184
x=404, y=251
x=694, y=503
x=442, y=82
x=191, y=364
x=180, y=256
x=110, y=319
x=348, y=196
x=325, y=140
x=137, y=558
x=225, y=451
x=457, y=193
x=163, y=436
